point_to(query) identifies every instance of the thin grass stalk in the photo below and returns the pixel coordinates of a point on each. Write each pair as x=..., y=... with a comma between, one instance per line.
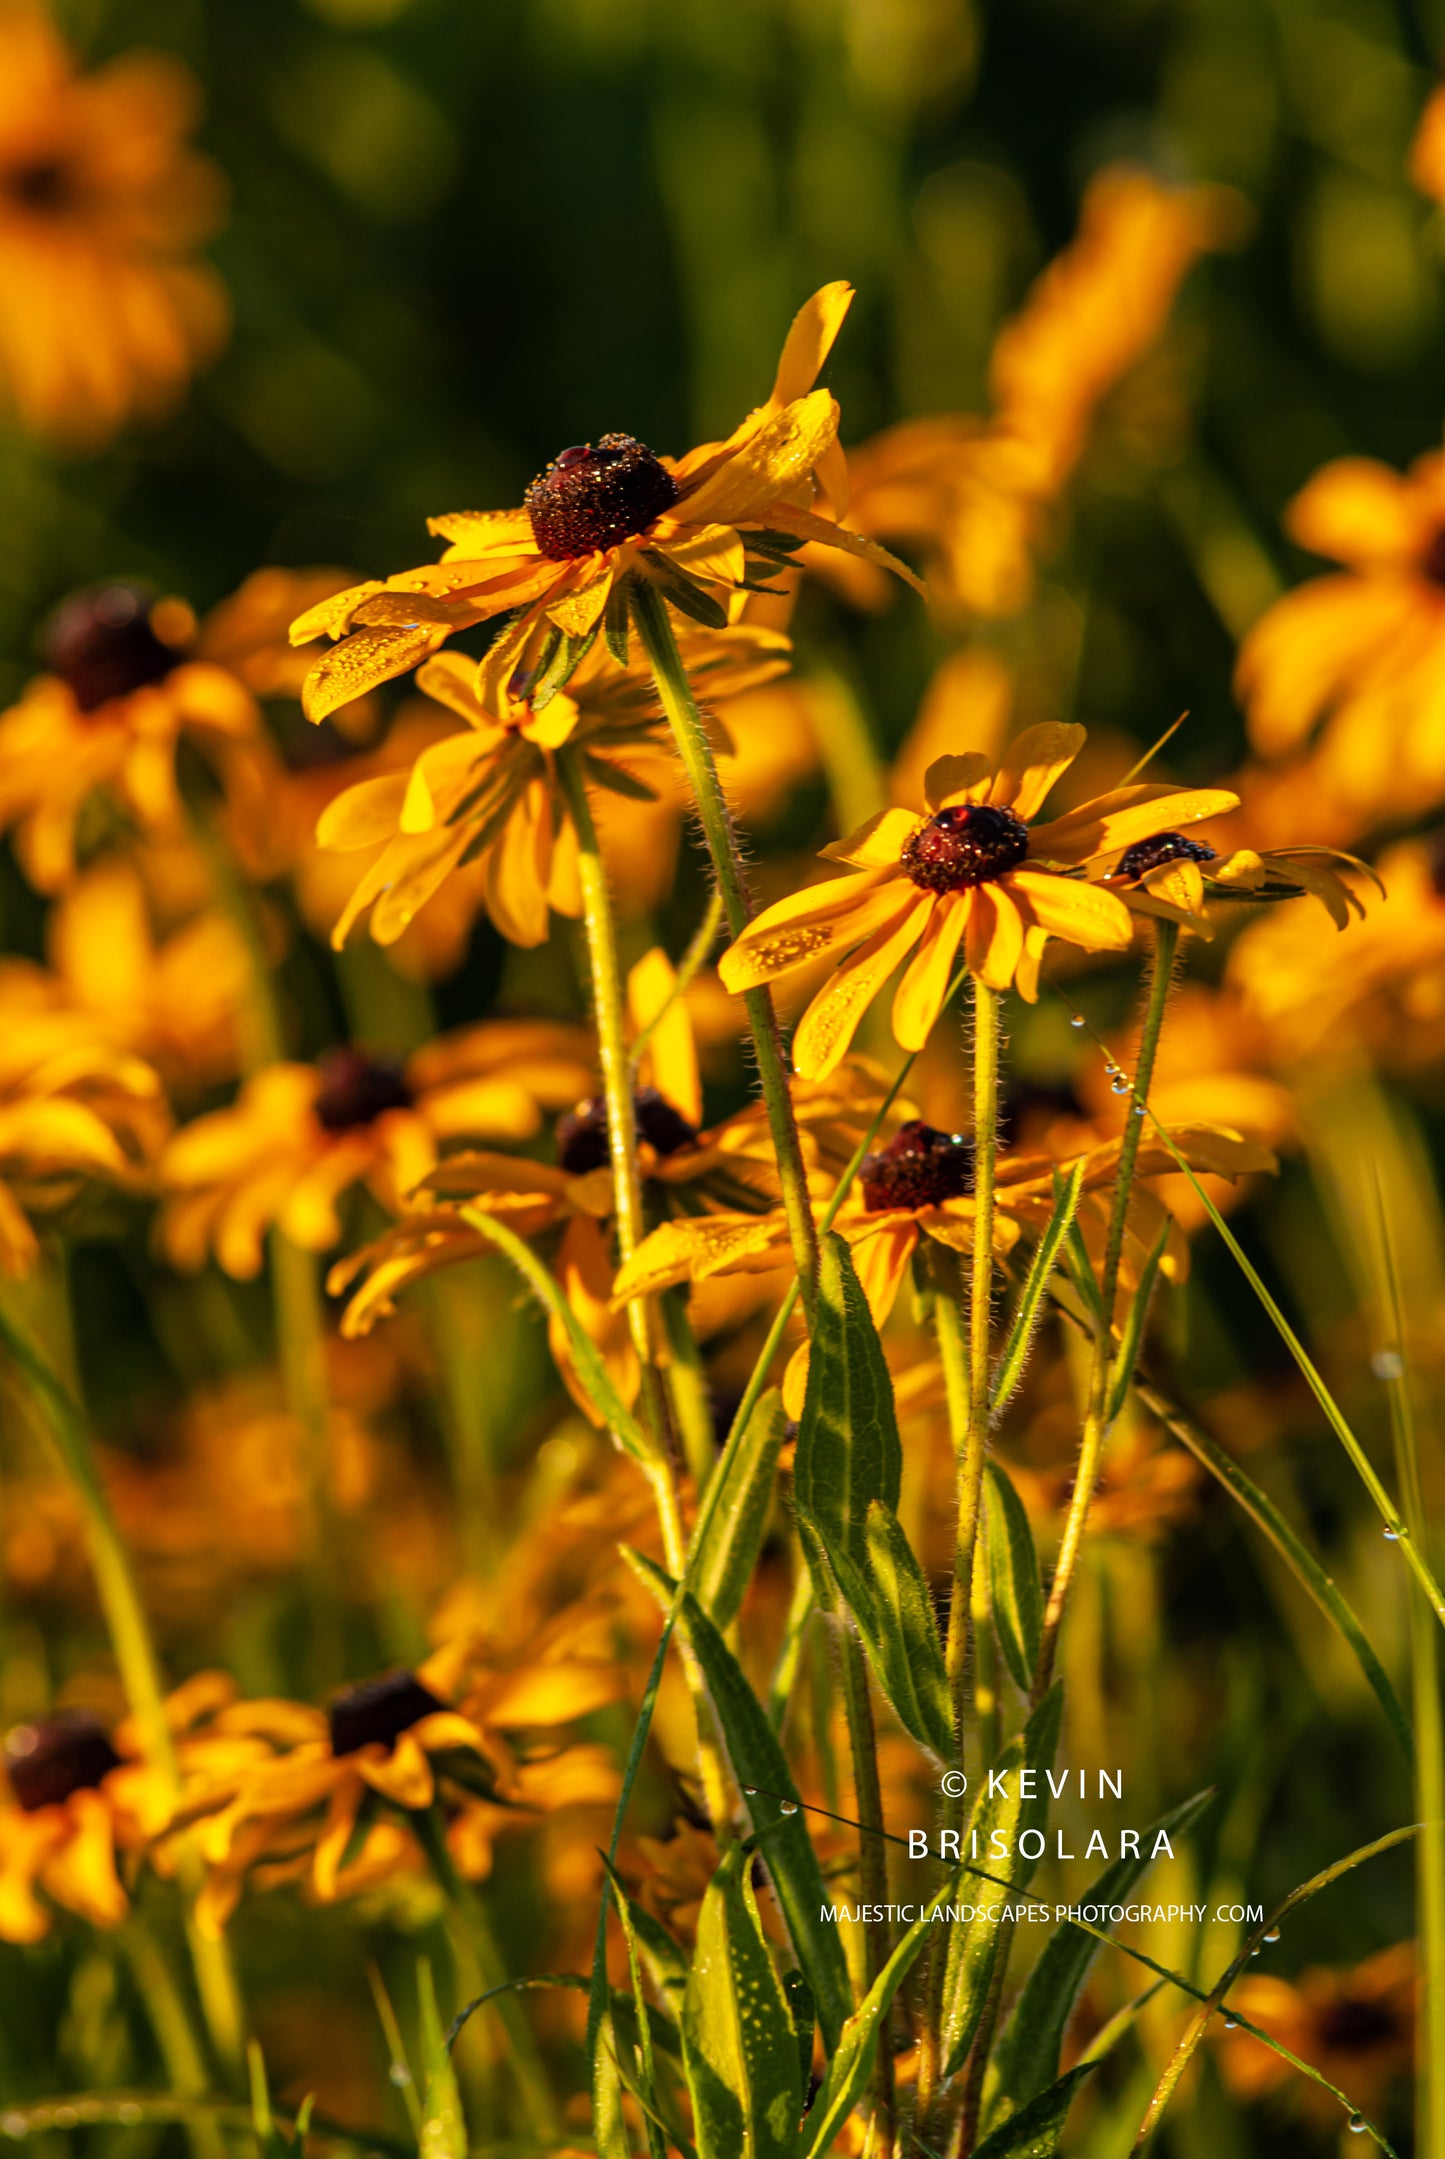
x=1166, y=940
x=608, y=1012
x=135, y=1657
x=872, y=1861
x=175, y=2035
x=680, y=706
x=300, y=1319
x=527, y=2067
x=1429, y=1737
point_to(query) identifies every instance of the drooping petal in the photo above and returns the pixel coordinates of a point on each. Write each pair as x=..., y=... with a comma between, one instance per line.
x=920, y=994
x=805, y=925
x=1031, y=764
x=1115, y=821
x=364, y=815
x=995, y=936
x=809, y=341
x=803, y=525
x=831, y=1020
x=1065, y=907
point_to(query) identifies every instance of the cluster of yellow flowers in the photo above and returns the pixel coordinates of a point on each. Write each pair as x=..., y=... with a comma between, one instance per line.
x=160, y=792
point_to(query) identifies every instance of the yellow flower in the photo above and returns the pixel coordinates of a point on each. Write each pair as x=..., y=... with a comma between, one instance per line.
x=299, y=1136
x=176, y=1001
x=1172, y=876
x=123, y=687
x=103, y=313
x=1356, y=2026
x=71, y=1108
x=308, y=1807
x=974, y=495
x=1360, y=654
x=602, y=513
x=488, y=794
x=972, y=873
x=81, y=1793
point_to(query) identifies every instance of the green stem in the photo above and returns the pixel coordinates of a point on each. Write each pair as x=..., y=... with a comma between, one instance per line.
x=687, y=1392
x=300, y=1322
x=135, y=1656
x=872, y=1860
x=1166, y=939
x=675, y=691
x=170, y=2020
x=526, y=2063
x=790, y=1656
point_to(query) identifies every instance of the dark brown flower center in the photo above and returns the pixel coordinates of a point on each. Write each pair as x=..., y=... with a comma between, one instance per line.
x=1432, y=564
x=379, y=1711
x=356, y=1088
x=969, y=844
x=48, y=1761
x=597, y=494
x=1161, y=847
x=102, y=645
x=582, y=1138
x=920, y=1167
x=44, y=186
x=1351, y=2026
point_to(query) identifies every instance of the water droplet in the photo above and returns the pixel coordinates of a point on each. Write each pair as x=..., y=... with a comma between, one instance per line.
x=399, y=2073
x=1231, y=2024
x=1387, y=1364
x=1358, y=2125
x=1392, y=1536
x=1271, y=1934
x=1120, y=1084
x=1255, y=1951
x=750, y=1791
x=1076, y=1019
x=1138, y=1109
x=787, y=1806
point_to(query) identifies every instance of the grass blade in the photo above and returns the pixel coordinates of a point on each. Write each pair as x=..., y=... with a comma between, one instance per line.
x=1014, y=1355
x=1017, y=1593
x=1132, y=1340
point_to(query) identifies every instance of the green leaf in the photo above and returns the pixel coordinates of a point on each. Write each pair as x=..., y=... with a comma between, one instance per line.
x=1018, y=1598
x=760, y=1765
x=972, y=1943
x=1027, y=2058
x=848, y=1451
x=1127, y=1354
x=615, y=621
x=609, y=2128
x=568, y=656
x=268, y=2136
x=739, y=2051
x=804, y=2013
x=1022, y=1327
x=723, y=1560
x=1081, y=1274
x=443, y=2128
x=684, y=592
x=894, y=1615
x=616, y=779
x=850, y=2062
x=1037, y=2130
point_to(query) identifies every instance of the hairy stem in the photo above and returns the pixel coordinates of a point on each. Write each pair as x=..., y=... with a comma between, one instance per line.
x=1166, y=941
x=872, y=1861
x=678, y=702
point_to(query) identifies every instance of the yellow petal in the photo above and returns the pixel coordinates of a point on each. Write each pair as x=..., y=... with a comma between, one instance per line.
x=576, y=612
x=331, y=617
x=364, y=815
x=1031, y=765
x=438, y=779
x=831, y=1020
x=767, y=466
x=878, y=843
x=804, y=526
x=920, y=994
x=995, y=936
x=477, y=533
x=810, y=340
x=956, y=778
x=694, y=1247
x=1065, y=907
x=451, y=679
x=367, y=658
x=806, y=924
x=1117, y=821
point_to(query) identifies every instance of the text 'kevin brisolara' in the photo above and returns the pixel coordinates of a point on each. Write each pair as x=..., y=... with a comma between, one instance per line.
x=1031, y=1845
x=1034, y=1913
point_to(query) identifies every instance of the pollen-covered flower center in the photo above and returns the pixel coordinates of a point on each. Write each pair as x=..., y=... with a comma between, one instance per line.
x=356, y=1088
x=596, y=495
x=48, y=1761
x=969, y=844
x=920, y=1167
x=379, y=1711
x=1159, y=848
x=582, y=1138
x=102, y=644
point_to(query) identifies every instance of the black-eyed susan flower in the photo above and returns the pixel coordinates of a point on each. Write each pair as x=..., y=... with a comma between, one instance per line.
x=72, y=1108
x=1173, y=875
x=974, y=878
x=1356, y=2025
x=104, y=311
x=600, y=514
x=299, y=1136
x=123, y=683
x=488, y=794
x=1360, y=654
